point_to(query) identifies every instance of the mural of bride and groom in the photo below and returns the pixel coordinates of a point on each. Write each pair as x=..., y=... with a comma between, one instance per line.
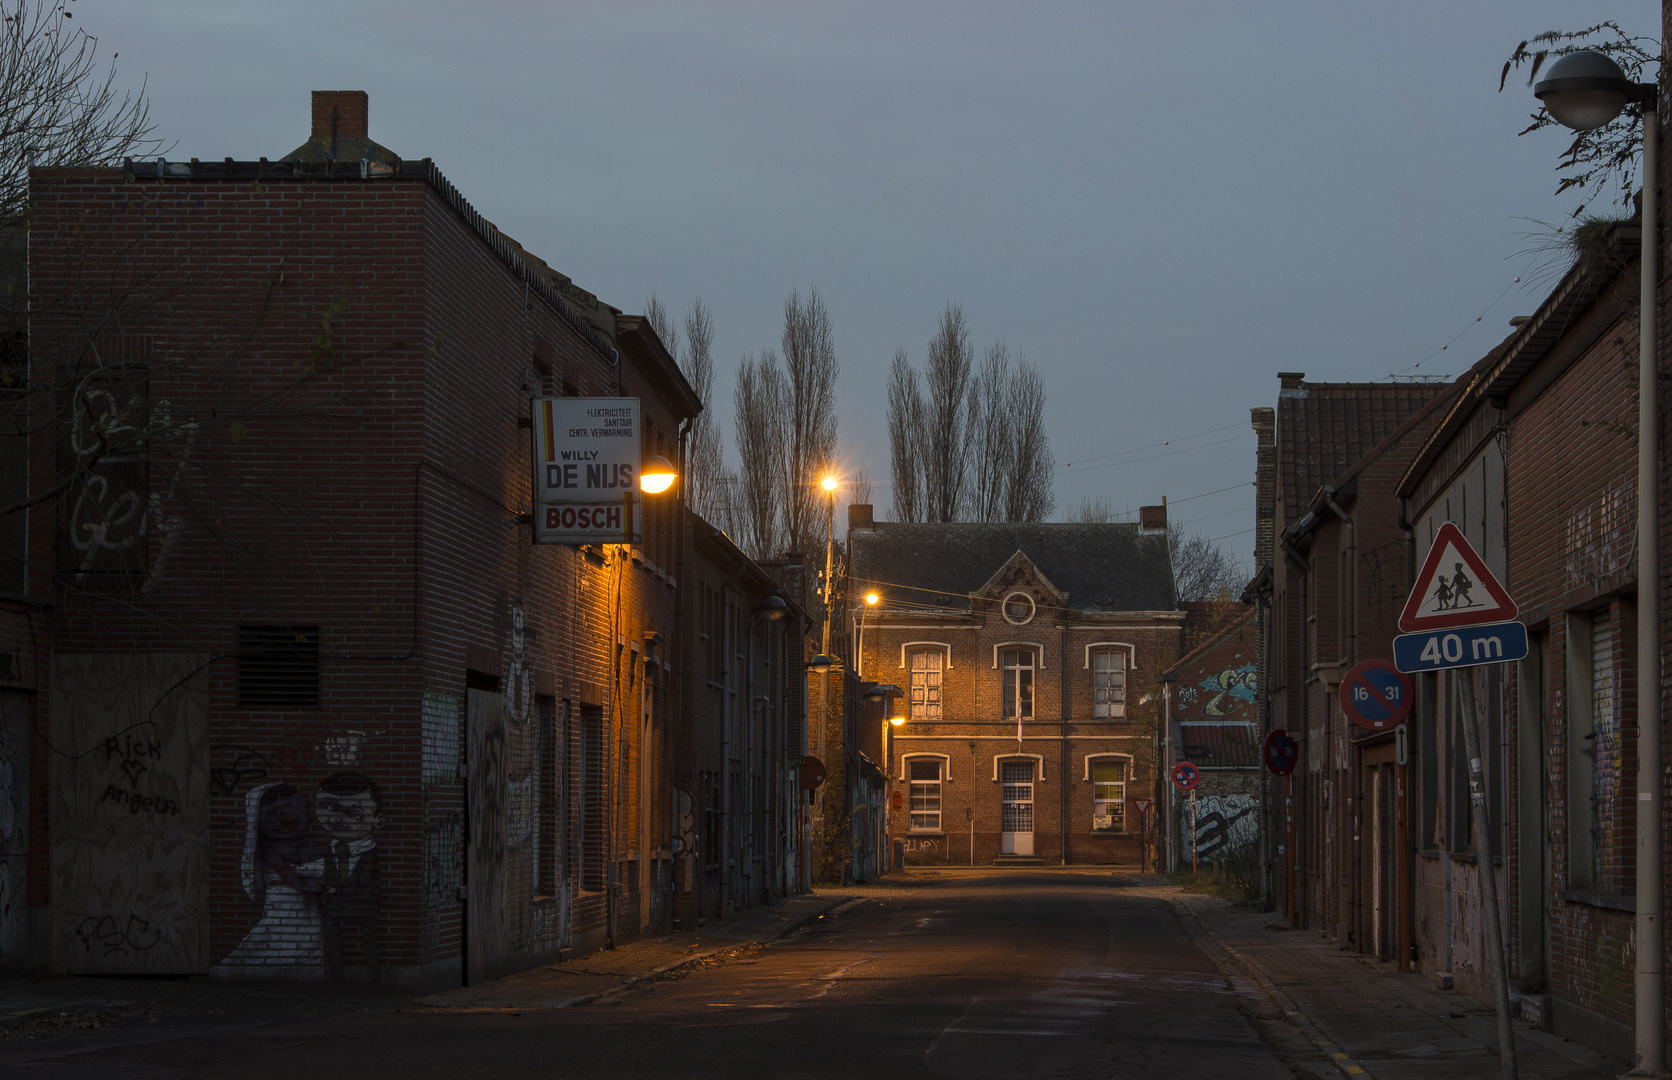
x=310, y=893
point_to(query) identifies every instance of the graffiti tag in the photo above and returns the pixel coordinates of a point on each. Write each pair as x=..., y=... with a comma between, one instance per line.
x=103, y=932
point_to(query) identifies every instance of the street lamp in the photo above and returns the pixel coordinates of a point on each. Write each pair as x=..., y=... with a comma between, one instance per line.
x=656, y=474
x=820, y=664
x=1585, y=90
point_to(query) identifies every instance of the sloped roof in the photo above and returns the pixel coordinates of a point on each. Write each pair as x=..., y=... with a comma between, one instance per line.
x=1100, y=566
x=1323, y=428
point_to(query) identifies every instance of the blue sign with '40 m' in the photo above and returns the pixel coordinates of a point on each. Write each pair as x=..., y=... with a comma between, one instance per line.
x=1465, y=646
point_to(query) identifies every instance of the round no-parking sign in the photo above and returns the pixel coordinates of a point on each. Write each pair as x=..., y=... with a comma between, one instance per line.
x=1185, y=776
x=1375, y=696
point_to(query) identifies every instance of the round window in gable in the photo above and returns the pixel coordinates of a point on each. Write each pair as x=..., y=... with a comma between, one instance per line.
x=1018, y=608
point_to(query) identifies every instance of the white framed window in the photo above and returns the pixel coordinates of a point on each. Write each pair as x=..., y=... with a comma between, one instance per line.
x=925, y=691
x=926, y=777
x=1108, y=684
x=1016, y=668
x=1108, y=794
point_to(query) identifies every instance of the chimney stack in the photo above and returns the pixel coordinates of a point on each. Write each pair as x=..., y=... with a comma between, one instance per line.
x=859, y=516
x=339, y=115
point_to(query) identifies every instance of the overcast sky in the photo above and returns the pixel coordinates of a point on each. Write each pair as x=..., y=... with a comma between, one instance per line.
x=1162, y=205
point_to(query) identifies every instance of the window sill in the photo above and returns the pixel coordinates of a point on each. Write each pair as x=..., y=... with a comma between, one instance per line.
x=1598, y=900
x=926, y=832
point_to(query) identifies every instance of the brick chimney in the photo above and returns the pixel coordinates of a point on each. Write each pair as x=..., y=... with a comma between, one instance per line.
x=1153, y=518
x=339, y=115
x=339, y=132
x=859, y=516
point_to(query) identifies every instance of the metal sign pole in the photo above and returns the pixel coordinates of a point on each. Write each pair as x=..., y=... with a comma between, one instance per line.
x=1488, y=875
x=1193, y=870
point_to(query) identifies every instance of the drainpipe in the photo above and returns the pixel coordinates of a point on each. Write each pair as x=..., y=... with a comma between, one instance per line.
x=1355, y=808
x=1298, y=792
x=1062, y=770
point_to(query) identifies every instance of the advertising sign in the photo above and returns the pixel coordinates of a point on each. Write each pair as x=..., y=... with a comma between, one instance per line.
x=586, y=471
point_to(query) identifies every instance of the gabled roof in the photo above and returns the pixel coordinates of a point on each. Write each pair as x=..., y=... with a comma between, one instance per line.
x=1235, y=626
x=1324, y=428
x=1099, y=566
x=1499, y=371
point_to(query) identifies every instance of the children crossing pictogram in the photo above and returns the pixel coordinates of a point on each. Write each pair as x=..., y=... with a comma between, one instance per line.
x=1455, y=588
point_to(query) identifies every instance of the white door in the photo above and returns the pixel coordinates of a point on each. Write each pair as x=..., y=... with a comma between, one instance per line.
x=1016, y=837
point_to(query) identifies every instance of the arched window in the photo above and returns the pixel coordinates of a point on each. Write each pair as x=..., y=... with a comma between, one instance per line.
x=1016, y=667
x=1108, y=684
x=925, y=690
x=926, y=775
x=1108, y=793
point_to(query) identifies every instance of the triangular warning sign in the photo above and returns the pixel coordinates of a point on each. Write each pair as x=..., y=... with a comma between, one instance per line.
x=1454, y=588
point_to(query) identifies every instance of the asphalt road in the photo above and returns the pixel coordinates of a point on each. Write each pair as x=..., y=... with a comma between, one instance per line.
x=1013, y=976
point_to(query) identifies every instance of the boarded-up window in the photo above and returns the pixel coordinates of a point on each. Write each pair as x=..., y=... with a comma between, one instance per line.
x=278, y=667
x=593, y=806
x=1108, y=684
x=926, y=684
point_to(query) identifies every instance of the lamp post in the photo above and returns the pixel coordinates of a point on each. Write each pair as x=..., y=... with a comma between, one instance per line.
x=892, y=718
x=1585, y=90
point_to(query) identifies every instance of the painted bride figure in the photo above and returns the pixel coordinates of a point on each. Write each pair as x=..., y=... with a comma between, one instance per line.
x=289, y=940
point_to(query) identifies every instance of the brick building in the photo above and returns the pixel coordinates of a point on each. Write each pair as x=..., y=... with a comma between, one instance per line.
x=1537, y=463
x=304, y=699
x=1332, y=588
x=740, y=737
x=1022, y=654
x=1212, y=714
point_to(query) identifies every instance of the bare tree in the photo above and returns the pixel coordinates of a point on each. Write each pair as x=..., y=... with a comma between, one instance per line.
x=662, y=322
x=703, y=463
x=760, y=398
x=1095, y=511
x=989, y=435
x=905, y=439
x=977, y=449
x=1028, y=495
x=1604, y=156
x=1201, y=569
x=57, y=107
x=809, y=402
x=859, y=488
x=946, y=417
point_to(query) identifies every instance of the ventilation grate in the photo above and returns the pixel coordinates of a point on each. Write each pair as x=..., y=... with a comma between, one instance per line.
x=278, y=667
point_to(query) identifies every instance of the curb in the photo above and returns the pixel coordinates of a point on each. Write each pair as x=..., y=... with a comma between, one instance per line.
x=1283, y=1001
x=697, y=958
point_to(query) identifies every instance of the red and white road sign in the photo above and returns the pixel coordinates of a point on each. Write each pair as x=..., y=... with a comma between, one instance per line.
x=1142, y=805
x=1454, y=588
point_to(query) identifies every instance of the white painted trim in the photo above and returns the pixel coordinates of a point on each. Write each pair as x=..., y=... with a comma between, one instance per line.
x=1131, y=652
x=1098, y=757
x=946, y=764
x=938, y=644
x=1038, y=765
x=1033, y=607
x=1038, y=649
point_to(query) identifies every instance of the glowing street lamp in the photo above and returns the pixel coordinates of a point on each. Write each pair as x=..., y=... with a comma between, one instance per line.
x=656, y=475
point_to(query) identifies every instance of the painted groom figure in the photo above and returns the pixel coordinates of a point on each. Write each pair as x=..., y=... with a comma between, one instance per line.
x=350, y=809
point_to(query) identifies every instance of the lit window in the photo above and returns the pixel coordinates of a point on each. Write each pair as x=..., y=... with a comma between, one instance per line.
x=1018, y=683
x=925, y=776
x=1108, y=796
x=1108, y=684
x=926, y=684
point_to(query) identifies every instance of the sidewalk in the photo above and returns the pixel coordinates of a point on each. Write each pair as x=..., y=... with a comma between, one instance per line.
x=1370, y=1018
x=74, y=1006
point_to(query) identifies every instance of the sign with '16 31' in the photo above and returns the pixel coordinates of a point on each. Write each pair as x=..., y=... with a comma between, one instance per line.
x=586, y=471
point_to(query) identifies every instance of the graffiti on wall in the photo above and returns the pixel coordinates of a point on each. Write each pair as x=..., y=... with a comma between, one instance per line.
x=129, y=813
x=1229, y=691
x=313, y=870
x=1225, y=825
